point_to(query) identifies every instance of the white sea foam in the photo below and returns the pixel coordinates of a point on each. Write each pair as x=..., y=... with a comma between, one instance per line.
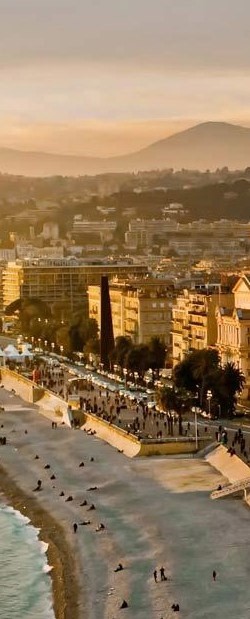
x=44, y=547
x=23, y=562
x=47, y=568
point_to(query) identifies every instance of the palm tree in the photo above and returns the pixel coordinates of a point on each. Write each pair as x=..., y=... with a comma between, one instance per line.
x=231, y=383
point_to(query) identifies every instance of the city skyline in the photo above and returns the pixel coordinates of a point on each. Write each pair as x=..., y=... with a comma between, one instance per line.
x=108, y=78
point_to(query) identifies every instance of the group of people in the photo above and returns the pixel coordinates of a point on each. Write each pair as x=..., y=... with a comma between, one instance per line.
x=162, y=575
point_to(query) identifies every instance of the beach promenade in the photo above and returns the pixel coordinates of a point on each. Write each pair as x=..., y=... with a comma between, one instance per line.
x=156, y=512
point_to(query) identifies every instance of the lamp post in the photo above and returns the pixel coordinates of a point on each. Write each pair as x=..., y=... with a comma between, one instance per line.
x=136, y=376
x=209, y=397
x=39, y=344
x=125, y=372
x=61, y=350
x=195, y=420
x=52, y=346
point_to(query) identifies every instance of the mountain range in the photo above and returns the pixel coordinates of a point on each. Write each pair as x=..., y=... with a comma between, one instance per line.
x=208, y=145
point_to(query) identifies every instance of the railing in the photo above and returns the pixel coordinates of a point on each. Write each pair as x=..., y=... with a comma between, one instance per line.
x=242, y=484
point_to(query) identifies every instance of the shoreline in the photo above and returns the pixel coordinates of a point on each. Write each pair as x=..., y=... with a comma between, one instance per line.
x=60, y=556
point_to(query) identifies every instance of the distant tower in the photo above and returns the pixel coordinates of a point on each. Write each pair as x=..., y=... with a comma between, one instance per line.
x=107, y=335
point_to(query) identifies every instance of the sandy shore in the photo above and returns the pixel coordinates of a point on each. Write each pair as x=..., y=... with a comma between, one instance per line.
x=59, y=554
x=157, y=512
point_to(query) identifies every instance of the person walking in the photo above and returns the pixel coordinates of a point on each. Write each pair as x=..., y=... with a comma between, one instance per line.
x=162, y=573
x=155, y=575
x=214, y=575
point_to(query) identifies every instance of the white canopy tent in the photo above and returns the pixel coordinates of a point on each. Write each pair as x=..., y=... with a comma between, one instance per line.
x=12, y=353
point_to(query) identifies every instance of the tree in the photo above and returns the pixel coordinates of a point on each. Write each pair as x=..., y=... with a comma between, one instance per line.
x=157, y=353
x=137, y=359
x=123, y=345
x=231, y=381
x=197, y=372
x=174, y=399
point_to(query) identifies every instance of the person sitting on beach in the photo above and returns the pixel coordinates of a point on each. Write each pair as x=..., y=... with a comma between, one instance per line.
x=162, y=573
x=119, y=568
x=61, y=493
x=36, y=457
x=100, y=527
x=90, y=509
x=124, y=604
x=175, y=607
x=92, y=459
x=69, y=498
x=84, y=522
x=81, y=464
x=84, y=503
x=92, y=488
x=47, y=466
x=39, y=486
x=75, y=527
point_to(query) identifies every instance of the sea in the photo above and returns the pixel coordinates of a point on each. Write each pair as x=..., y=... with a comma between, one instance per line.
x=25, y=583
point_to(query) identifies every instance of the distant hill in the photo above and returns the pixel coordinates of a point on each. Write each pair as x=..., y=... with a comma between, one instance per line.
x=208, y=145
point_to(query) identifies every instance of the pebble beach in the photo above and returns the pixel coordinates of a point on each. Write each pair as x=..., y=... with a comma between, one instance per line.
x=156, y=512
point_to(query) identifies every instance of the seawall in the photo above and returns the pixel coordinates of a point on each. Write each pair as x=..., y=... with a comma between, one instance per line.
x=132, y=446
x=48, y=403
x=231, y=467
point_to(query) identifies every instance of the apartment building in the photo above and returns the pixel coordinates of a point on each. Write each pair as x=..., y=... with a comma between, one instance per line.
x=200, y=238
x=233, y=330
x=104, y=228
x=194, y=322
x=66, y=279
x=139, y=310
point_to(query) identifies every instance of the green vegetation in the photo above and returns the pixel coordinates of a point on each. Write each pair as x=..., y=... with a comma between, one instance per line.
x=201, y=376
x=139, y=357
x=67, y=330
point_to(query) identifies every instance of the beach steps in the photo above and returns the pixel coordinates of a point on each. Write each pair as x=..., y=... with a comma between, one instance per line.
x=243, y=484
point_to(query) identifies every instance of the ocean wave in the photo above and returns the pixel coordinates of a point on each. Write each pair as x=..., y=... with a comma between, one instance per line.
x=9, y=509
x=47, y=568
x=44, y=547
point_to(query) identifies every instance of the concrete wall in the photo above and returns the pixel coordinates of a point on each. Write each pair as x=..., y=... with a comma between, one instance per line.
x=231, y=467
x=131, y=446
x=23, y=387
x=47, y=402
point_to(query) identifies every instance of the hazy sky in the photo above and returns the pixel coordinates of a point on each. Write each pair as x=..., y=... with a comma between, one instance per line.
x=109, y=76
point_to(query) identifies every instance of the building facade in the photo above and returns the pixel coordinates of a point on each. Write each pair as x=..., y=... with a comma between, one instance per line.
x=138, y=311
x=194, y=323
x=57, y=280
x=233, y=341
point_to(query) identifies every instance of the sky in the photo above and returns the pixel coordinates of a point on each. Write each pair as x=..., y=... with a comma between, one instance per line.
x=106, y=77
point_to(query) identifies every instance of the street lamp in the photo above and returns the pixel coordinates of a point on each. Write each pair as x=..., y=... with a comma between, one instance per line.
x=125, y=372
x=39, y=344
x=61, y=350
x=136, y=376
x=52, y=346
x=195, y=420
x=209, y=396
